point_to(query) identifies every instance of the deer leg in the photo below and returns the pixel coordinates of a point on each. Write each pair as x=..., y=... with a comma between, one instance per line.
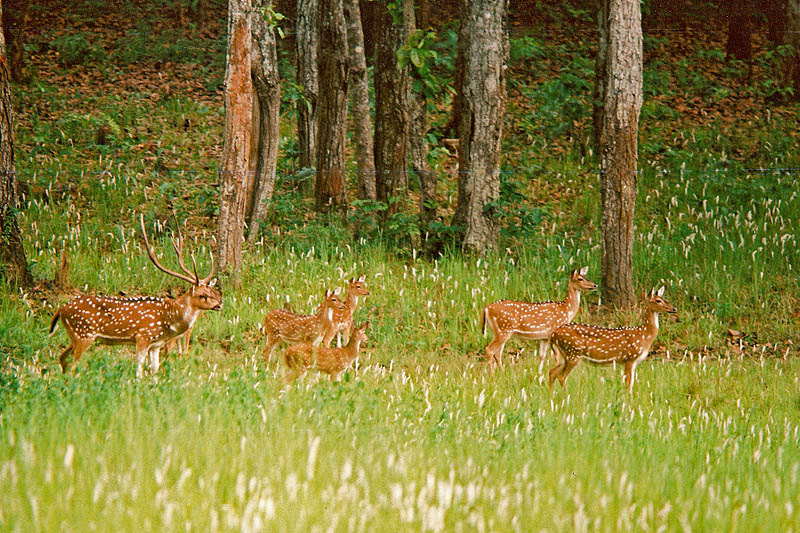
x=560, y=363
x=142, y=345
x=630, y=374
x=494, y=350
x=62, y=359
x=568, y=366
x=186, y=337
x=544, y=349
x=272, y=342
x=79, y=346
x=154, y=352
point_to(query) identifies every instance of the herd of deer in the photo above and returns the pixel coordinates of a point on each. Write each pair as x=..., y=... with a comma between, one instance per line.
x=151, y=323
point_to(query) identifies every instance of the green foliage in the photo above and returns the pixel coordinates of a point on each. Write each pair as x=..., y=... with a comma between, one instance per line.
x=76, y=49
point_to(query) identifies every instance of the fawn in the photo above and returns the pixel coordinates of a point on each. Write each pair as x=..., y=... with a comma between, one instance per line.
x=147, y=322
x=333, y=361
x=343, y=320
x=630, y=346
x=533, y=321
x=285, y=325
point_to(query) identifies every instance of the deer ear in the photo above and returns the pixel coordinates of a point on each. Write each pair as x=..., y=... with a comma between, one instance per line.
x=661, y=291
x=584, y=270
x=362, y=278
x=213, y=282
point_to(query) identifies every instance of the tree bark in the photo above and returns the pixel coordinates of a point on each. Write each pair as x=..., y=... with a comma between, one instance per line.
x=622, y=103
x=13, y=263
x=391, y=102
x=483, y=96
x=16, y=14
x=418, y=145
x=791, y=70
x=237, y=153
x=307, y=77
x=359, y=96
x=329, y=188
x=266, y=83
x=600, y=79
x=740, y=28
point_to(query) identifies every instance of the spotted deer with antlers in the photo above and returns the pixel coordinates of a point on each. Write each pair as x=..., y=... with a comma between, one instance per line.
x=343, y=320
x=146, y=322
x=532, y=321
x=603, y=346
x=287, y=326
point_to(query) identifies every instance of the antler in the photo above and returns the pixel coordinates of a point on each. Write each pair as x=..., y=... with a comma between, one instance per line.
x=152, y=255
x=178, y=246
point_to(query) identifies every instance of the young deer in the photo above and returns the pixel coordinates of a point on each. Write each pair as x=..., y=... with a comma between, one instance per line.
x=282, y=324
x=630, y=346
x=147, y=322
x=333, y=361
x=343, y=320
x=532, y=321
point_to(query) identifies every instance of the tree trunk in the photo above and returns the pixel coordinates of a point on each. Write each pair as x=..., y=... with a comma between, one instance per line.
x=453, y=126
x=266, y=83
x=329, y=189
x=237, y=153
x=483, y=94
x=307, y=35
x=418, y=145
x=359, y=96
x=16, y=14
x=600, y=80
x=391, y=101
x=775, y=11
x=740, y=28
x=622, y=102
x=13, y=264
x=791, y=70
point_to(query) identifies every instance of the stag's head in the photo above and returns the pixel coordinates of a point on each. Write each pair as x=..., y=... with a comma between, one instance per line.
x=203, y=294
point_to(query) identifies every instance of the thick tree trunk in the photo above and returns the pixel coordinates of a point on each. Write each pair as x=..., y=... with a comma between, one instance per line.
x=791, y=70
x=266, y=83
x=15, y=20
x=483, y=93
x=307, y=77
x=237, y=154
x=391, y=102
x=329, y=189
x=600, y=79
x=418, y=145
x=740, y=28
x=775, y=11
x=13, y=264
x=622, y=102
x=359, y=96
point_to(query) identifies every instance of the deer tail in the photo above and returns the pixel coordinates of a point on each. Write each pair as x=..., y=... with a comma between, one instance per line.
x=484, y=318
x=54, y=322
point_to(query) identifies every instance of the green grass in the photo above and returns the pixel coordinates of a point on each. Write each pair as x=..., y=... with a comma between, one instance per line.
x=706, y=445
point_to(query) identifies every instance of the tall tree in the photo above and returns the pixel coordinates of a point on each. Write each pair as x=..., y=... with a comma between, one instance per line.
x=329, y=188
x=620, y=92
x=306, y=35
x=791, y=70
x=418, y=132
x=266, y=83
x=483, y=99
x=236, y=169
x=391, y=98
x=359, y=97
x=13, y=264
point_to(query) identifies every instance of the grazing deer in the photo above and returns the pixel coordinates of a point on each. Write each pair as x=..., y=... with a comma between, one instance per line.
x=630, y=346
x=333, y=361
x=147, y=322
x=532, y=321
x=285, y=325
x=343, y=320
